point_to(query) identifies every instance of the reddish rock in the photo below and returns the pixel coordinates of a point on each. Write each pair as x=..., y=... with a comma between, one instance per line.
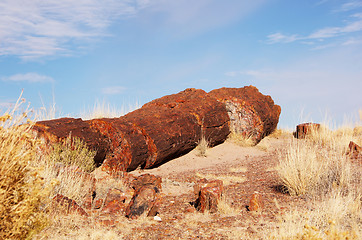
x=169, y=127
x=354, y=151
x=114, y=201
x=256, y=202
x=146, y=198
x=142, y=202
x=305, y=128
x=208, y=194
x=67, y=205
x=147, y=180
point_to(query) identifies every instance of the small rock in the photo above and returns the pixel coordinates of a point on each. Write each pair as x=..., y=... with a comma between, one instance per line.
x=354, y=151
x=208, y=194
x=114, y=201
x=256, y=202
x=147, y=179
x=146, y=198
x=157, y=218
x=142, y=202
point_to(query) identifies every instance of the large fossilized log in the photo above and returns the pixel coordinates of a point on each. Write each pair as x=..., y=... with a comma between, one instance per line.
x=169, y=127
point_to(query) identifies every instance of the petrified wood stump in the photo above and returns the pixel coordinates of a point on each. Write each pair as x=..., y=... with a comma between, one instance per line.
x=302, y=130
x=169, y=127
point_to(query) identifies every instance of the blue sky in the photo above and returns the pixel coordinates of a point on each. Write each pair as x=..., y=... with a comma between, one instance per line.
x=306, y=54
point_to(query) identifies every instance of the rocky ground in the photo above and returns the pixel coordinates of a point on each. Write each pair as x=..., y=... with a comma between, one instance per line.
x=243, y=170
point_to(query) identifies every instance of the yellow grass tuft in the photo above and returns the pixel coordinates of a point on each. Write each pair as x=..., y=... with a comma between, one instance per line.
x=241, y=140
x=105, y=110
x=21, y=190
x=336, y=216
x=202, y=147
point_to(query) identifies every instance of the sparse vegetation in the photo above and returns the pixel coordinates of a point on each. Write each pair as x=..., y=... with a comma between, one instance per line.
x=202, y=147
x=315, y=171
x=319, y=168
x=21, y=189
x=241, y=140
x=72, y=151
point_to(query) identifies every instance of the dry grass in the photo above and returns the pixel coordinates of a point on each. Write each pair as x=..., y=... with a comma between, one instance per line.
x=202, y=147
x=72, y=151
x=21, y=190
x=227, y=179
x=318, y=163
x=241, y=140
x=105, y=110
x=319, y=168
x=336, y=216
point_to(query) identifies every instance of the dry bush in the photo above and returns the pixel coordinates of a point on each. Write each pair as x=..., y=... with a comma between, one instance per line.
x=337, y=216
x=318, y=167
x=306, y=168
x=225, y=207
x=241, y=139
x=21, y=190
x=202, y=147
x=72, y=151
x=280, y=133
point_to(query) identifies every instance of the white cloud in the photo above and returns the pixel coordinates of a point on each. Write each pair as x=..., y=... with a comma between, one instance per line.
x=324, y=33
x=37, y=28
x=281, y=38
x=113, y=90
x=351, y=5
x=28, y=77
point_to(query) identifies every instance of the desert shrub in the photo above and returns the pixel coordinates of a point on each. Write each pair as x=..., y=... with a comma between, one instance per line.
x=202, y=147
x=241, y=139
x=306, y=168
x=21, y=189
x=72, y=151
x=336, y=216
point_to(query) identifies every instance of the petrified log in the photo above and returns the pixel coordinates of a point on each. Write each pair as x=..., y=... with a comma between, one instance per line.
x=302, y=130
x=169, y=127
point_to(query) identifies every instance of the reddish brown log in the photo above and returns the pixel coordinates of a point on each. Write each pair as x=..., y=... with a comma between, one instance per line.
x=304, y=129
x=169, y=127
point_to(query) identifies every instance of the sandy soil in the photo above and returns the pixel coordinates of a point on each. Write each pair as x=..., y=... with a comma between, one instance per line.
x=243, y=170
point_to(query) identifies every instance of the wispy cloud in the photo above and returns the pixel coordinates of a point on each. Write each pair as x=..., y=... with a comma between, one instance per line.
x=324, y=33
x=36, y=28
x=113, y=90
x=352, y=26
x=28, y=77
x=351, y=5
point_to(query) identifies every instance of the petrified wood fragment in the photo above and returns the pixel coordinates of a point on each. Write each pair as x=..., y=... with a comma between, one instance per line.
x=146, y=198
x=208, y=195
x=302, y=130
x=169, y=127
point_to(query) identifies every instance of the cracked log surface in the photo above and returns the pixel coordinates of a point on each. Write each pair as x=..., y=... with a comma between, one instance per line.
x=169, y=127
